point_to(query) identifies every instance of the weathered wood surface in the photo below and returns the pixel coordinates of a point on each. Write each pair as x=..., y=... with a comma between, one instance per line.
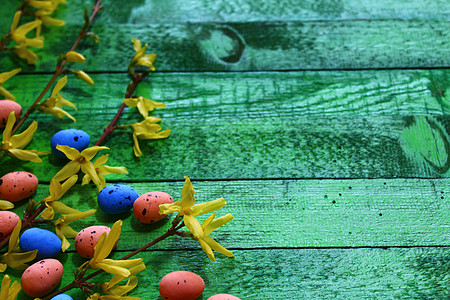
x=337, y=178
x=339, y=37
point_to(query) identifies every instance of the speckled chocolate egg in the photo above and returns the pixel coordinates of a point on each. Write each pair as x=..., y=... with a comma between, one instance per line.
x=8, y=220
x=146, y=207
x=181, y=285
x=6, y=107
x=41, y=277
x=16, y=186
x=117, y=199
x=74, y=138
x=87, y=238
x=62, y=297
x=223, y=297
x=46, y=242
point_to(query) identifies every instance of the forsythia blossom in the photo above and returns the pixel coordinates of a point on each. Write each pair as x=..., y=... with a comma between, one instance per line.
x=62, y=228
x=3, y=78
x=140, y=58
x=8, y=292
x=144, y=105
x=53, y=104
x=101, y=170
x=146, y=130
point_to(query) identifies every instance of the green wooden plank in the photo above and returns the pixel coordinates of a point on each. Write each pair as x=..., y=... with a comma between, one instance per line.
x=415, y=273
x=297, y=213
x=265, y=125
x=257, y=46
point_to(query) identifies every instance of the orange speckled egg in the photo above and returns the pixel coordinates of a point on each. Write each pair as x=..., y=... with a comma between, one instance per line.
x=146, y=206
x=6, y=107
x=16, y=186
x=181, y=285
x=8, y=220
x=41, y=277
x=223, y=297
x=87, y=238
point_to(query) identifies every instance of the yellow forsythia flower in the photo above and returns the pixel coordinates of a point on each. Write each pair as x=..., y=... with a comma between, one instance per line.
x=188, y=210
x=4, y=205
x=112, y=288
x=143, y=105
x=73, y=56
x=104, y=247
x=23, y=52
x=102, y=170
x=62, y=228
x=208, y=243
x=140, y=58
x=8, y=292
x=147, y=130
x=3, y=78
x=57, y=190
x=53, y=104
x=18, y=34
x=79, y=161
x=83, y=76
x=13, y=145
x=14, y=258
x=97, y=296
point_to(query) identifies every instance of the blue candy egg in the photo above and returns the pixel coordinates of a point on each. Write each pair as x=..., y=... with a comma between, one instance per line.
x=46, y=242
x=62, y=297
x=74, y=138
x=117, y=199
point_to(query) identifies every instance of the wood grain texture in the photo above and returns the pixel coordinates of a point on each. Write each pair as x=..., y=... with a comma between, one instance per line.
x=264, y=125
x=418, y=273
x=296, y=213
x=241, y=45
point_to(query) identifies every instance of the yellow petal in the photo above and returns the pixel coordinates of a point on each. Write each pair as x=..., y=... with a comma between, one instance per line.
x=7, y=75
x=113, y=269
x=37, y=42
x=28, y=155
x=136, y=44
x=25, y=53
x=169, y=208
x=49, y=21
x=59, y=85
x=106, y=170
x=136, y=148
x=6, y=95
x=90, y=152
x=110, y=241
x=217, y=247
x=208, y=228
x=204, y=208
x=67, y=171
x=4, y=205
x=14, y=238
x=122, y=289
x=73, y=56
x=48, y=213
x=131, y=102
x=14, y=290
x=18, y=260
x=70, y=152
x=207, y=249
x=88, y=168
x=187, y=193
x=57, y=112
x=15, y=22
x=4, y=290
x=84, y=77
x=193, y=225
x=133, y=270
x=9, y=126
x=21, y=140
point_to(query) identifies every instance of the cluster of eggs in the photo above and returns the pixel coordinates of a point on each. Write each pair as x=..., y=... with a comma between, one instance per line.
x=44, y=275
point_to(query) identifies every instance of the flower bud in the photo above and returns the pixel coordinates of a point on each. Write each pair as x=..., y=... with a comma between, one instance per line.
x=73, y=56
x=83, y=76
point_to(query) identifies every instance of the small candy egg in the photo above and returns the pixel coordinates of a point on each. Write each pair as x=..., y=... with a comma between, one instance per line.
x=117, y=199
x=146, y=207
x=8, y=220
x=46, y=242
x=62, y=297
x=87, y=238
x=41, y=277
x=16, y=186
x=181, y=285
x=74, y=138
x=223, y=297
x=6, y=107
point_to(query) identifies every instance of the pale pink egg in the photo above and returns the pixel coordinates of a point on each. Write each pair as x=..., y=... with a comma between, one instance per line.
x=42, y=277
x=146, y=206
x=6, y=107
x=8, y=220
x=87, y=238
x=223, y=297
x=181, y=285
x=16, y=186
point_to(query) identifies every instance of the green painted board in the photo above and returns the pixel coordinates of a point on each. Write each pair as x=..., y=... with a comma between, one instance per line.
x=394, y=273
x=358, y=124
x=358, y=42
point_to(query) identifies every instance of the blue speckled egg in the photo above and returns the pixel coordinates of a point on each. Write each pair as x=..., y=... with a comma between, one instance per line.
x=46, y=242
x=74, y=138
x=117, y=199
x=62, y=297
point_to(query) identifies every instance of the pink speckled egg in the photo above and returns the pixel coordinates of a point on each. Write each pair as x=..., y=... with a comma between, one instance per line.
x=16, y=186
x=8, y=220
x=41, y=277
x=181, y=285
x=146, y=206
x=6, y=107
x=87, y=238
x=223, y=297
